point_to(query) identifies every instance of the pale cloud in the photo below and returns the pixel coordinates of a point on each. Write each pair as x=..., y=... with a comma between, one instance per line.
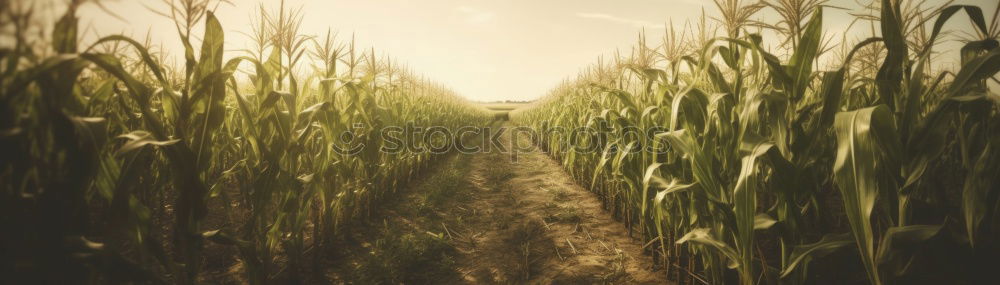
x=611, y=18
x=475, y=15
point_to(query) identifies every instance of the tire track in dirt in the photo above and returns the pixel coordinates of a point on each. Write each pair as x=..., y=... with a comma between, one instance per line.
x=490, y=218
x=535, y=225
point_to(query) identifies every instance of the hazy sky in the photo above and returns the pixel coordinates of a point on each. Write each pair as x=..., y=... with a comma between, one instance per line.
x=485, y=50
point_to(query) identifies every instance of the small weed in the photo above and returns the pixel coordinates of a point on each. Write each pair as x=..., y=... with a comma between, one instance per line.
x=567, y=214
x=560, y=195
x=616, y=268
x=445, y=186
x=409, y=259
x=524, y=241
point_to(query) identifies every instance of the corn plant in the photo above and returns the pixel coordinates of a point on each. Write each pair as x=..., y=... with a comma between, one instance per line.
x=763, y=164
x=118, y=167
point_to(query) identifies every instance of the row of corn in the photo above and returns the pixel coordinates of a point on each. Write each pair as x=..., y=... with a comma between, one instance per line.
x=752, y=164
x=116, y=167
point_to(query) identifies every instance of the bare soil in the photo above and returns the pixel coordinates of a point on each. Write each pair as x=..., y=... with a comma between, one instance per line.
x=494, y=218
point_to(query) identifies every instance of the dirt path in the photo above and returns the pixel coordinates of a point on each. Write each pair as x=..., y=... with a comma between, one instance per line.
x=492, y=219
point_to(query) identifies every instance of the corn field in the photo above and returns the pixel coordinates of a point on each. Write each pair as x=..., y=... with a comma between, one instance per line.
x=105, y=140
x=769, y=167
x=771, y=151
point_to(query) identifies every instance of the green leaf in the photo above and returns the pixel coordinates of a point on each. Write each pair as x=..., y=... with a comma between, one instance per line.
x=901, y=245
x=928, y=140
x=802, y=254
x=92, y=131
x=801, y=62
x=976, y=194
x=147, y=58
x=704, y=171
x=975, y=14
x=916, y=81
x=763, y=221
x=209, y=87
x=863, y=138
x=702, y=236
x=890, y=74
x=65, y=32
x=976, y=70
x=831, y=91
x=748, y=184
x=138, y=139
